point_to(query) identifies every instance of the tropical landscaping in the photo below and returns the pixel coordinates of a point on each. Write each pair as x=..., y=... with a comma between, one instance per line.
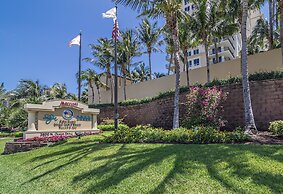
x=196, y=155
x=85, y=166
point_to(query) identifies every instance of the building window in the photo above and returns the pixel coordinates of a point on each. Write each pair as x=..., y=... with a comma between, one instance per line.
x=214, y=60
x=213, y=51
x=186, y=2
x=193, y=7
x=220, y=59
x=196, y=52
x=190, y=53
x=219, y=49
x=196, y=62
x=187, y=9
x=190, y=63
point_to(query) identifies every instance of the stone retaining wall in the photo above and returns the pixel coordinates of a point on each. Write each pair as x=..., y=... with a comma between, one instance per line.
x=267, y=102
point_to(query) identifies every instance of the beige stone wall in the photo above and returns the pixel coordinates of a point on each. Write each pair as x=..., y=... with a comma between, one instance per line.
x=267, y=61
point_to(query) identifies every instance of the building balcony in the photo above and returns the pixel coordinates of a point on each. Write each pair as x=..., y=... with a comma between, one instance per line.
x=226, y=52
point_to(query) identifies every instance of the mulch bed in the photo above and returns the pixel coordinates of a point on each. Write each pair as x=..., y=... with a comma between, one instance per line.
x=266, y=138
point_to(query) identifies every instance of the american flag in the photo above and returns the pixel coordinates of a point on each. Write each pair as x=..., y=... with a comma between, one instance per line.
x=115, y=31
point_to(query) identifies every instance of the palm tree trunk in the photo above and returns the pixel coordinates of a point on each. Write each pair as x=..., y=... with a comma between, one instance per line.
x=150, y=67
x=207, y=59
x=109, y=75
x=281, y=27
x=187, y=66
x=277, y=13
x=170, y=63
x=174, y=32
x=99, y=95
x=92, y=92
x=249, y=117
x=271, y=17
x=125, y=82
x=216, y=51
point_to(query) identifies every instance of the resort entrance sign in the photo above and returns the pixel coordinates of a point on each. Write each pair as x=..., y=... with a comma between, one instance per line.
x=60, y=117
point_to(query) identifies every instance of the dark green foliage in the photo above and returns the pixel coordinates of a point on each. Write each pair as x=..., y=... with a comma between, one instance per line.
x=276, y=127
x=110, y=127
x=199, y=135
x=233, y=80
x=13, y=134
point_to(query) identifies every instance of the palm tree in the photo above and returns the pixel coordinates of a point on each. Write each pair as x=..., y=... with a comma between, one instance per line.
x=128, y=48
x=3, y=93
x=59, y=91
x=169, y=49
x=186, y=41
x=249, y=117
x=171, y=10
x=211, y=21
x=239, y=10
x=28, y=88
x=158, y=75
x=260, y=33
x=149, y=35
x=103, y=54
x=84, y=97
x=141, y=73
x=93, y=79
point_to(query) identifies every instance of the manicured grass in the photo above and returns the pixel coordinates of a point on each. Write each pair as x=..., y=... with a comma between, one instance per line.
x=83, y=166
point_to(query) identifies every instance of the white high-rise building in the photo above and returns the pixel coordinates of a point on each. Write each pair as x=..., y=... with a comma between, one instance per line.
x=228, y=48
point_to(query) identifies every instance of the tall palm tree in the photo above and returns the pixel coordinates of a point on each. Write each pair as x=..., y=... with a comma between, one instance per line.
x=128, y=49
x=103, y=54
x=171, y=10
x=149, y=36
x=239, y=10
x=249, y=117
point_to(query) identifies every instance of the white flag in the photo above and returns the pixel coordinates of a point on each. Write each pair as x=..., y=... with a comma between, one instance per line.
x=110, y=14
x=75, y=41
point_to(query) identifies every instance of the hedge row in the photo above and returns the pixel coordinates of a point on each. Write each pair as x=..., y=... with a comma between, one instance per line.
x=233, y=80
x=199, y=135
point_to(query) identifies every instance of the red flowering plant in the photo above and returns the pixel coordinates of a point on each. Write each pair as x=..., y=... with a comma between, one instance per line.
x=52, y=139
x=204, y=107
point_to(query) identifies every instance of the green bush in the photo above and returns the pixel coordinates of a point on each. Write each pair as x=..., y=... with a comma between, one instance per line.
x=110, y=127
x=276, y=127
x=199, y=135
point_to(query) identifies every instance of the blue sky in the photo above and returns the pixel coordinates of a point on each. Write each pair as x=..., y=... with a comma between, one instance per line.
x=34, y=35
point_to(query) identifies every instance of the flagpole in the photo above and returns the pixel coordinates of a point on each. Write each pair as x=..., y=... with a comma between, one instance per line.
x=80, y=68
x=116, y=115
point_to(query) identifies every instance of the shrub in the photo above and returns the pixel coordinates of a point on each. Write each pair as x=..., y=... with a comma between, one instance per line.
x=204, y=107
x=276, y=127
x=110, y=127
x=199, y=135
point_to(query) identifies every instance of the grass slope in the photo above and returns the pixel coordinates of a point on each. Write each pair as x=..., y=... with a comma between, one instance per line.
x=83, y=166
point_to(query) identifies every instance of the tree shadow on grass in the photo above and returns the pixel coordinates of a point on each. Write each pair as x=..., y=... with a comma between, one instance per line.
x=127, y=161
x=114, y=172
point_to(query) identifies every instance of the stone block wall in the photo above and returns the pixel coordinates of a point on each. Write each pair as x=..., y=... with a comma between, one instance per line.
x=267, y=102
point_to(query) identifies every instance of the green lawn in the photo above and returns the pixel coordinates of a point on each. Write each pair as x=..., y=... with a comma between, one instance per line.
x=83, y=166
